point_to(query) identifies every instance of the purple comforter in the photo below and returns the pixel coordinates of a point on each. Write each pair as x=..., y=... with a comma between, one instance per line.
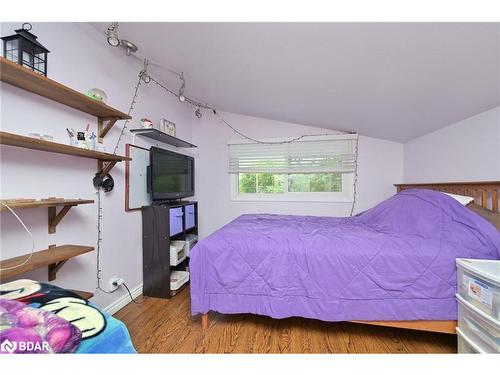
x=395, y=261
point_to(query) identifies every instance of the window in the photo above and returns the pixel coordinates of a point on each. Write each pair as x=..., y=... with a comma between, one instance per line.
x=319, y=168
x=261, y=183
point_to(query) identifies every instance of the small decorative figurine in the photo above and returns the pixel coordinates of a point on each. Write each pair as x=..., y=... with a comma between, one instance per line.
x=146, y=123
x=97, y=94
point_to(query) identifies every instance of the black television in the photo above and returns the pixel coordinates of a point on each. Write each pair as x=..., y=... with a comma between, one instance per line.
x=170, y=175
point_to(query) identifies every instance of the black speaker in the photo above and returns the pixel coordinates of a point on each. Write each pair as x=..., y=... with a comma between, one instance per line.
x=106, y=182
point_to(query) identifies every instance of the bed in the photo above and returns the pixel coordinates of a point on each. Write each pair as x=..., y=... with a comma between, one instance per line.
x=44, y=313
x=392, y=265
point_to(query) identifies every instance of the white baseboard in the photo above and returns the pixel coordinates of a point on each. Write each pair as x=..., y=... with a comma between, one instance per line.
x=123, y=300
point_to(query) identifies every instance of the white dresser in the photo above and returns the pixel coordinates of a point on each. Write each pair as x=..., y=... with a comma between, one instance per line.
x=478, y=297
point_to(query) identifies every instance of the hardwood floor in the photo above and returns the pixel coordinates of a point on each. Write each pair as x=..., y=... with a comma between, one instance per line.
x=166, y=326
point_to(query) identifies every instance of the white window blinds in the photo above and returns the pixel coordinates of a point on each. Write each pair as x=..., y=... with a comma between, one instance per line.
x=332, y=153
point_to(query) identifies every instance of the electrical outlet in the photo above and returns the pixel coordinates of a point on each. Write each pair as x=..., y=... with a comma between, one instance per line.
x=115, y=282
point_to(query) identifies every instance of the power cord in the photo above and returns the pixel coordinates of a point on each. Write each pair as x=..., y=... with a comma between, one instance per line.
x=29, y=233
x=131, y=297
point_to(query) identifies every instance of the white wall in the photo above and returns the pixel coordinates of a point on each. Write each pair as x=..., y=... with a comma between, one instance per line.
x=380, y=166
x=468, y=150
x=81, y=59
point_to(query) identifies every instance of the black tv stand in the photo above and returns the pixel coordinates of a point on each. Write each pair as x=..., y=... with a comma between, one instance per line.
x=163, y=222
x=169, y=201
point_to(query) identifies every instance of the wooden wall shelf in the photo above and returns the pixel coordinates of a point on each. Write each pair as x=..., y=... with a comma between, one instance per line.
x=47, y=203
x=52, y=204
x=159, y=136
x=28, y=80
x=106, y=162
x=83, y=294
x=54, y=258
x=17, y=140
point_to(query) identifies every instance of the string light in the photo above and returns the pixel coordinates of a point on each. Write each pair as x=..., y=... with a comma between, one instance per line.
x=181, y=96
x=355, y=183
x=144, y=77
x=99, y=240
x=198, y=114
x=198, y=106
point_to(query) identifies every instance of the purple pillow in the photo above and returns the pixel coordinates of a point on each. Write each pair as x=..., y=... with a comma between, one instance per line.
x=25, y=329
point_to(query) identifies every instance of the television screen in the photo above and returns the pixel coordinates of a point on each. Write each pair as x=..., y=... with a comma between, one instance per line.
x=171, y=175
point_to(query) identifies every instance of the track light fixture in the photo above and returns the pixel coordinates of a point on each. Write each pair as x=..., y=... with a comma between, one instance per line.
x=198, y=113
x=182, y=98
x=129, y=47
x=112, y=34
x=114, y=39
x=144, y=72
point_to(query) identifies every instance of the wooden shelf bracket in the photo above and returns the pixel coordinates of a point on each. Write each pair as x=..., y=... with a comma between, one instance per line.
x=54, y=267
x=55, y=217
x=104, y=125
x=103, y=168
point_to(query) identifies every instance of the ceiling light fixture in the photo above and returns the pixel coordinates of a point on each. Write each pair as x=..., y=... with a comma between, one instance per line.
x=129, y=47
x=144, y=72
x=112, y=34
x=182, y=98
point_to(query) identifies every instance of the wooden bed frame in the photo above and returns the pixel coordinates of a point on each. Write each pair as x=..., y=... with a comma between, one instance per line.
x=486, y=195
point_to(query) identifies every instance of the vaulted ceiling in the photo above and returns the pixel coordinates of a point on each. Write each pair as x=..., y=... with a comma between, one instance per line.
x=395, y=81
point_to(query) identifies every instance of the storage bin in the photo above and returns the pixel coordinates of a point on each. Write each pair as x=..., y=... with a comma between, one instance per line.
x=466, y=345
x=178, y=279
x=478, y=326
x=175, y=221
x=190, y=221
x=478, y=282
x=177, y=252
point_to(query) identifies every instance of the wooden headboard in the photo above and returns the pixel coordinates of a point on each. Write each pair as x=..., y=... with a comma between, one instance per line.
x=485, y=193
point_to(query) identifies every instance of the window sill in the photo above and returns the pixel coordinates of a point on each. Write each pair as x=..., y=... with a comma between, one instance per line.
x=291, y=198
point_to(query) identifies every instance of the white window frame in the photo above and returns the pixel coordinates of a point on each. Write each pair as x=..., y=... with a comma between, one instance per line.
x=345, y=196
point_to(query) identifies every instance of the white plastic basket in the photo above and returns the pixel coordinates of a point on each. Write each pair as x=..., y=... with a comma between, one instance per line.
x=178, y=279
x=177, y=252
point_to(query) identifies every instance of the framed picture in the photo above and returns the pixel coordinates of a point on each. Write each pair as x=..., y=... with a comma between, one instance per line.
x=167, y=127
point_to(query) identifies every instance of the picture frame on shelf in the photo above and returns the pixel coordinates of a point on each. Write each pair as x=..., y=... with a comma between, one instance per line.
x=167, y=127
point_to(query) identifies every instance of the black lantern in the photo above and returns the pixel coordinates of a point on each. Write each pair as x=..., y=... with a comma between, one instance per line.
x=23, y=49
